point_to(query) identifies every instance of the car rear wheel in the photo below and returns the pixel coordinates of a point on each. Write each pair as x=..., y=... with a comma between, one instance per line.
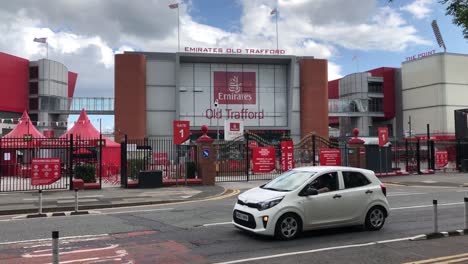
x=375, y=218
x=288, y=227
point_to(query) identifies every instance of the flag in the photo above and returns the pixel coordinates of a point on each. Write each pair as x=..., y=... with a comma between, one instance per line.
x=354, y=57
x=174, y=6
x=40, y=40
x=274, y=11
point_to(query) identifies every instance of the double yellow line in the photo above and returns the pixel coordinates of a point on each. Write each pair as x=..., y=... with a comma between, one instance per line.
x=460, y=258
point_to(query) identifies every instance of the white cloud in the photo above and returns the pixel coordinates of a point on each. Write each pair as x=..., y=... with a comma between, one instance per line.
x=419, y=8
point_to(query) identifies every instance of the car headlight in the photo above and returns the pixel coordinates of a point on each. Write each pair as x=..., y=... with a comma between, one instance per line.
x=268, y=204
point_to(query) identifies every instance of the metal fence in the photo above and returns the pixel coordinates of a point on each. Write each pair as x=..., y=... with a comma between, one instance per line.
x=17, y=156
x=176, y=162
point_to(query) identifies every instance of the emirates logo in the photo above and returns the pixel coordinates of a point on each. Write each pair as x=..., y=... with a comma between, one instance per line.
x=234, y=85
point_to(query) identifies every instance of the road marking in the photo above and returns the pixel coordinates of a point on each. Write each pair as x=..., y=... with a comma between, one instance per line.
x=135, y=211
x=423, y=206
x=315, y=250
x=49, y=239
x=215, y=224
x=63, y=197
x=446, y=259
x=403, y=194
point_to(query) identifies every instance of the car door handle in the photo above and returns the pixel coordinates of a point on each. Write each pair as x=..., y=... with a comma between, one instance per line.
x=369, y=191
x=336, y=196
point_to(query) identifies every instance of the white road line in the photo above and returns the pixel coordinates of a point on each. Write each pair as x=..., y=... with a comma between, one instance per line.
x=135, y=211
x=215, y=224
x=50, y=239
x=423, y=206
x=402, y=194
x=315, y=250
x=63, y=197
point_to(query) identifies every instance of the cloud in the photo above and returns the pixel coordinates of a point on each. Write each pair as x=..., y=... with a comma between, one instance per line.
x=419, y=8
x=85, y=34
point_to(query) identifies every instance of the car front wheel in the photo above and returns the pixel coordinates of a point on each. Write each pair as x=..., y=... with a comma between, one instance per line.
x=375, y=218
x=288, y=227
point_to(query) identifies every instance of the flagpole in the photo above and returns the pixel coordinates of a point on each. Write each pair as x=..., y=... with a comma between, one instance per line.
x=276, y=15
x=178, y=29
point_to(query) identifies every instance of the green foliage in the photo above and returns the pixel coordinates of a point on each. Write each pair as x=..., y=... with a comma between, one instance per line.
x=459, y=10
x=190, y=169
x=135, y=166
x=86, y=172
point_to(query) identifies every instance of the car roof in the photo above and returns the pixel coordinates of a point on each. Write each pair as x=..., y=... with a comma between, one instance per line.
x=319, y=169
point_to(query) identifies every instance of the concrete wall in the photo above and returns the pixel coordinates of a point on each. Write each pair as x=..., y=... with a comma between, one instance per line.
x=433, y=87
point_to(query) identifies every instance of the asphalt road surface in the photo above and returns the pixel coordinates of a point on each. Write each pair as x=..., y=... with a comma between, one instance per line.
x=201, y=232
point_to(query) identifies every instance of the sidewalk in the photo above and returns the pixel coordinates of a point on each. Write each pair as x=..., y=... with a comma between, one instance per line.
x=440, y=179
x=64, y=200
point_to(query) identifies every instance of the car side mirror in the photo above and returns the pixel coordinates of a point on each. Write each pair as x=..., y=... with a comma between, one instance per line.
x=311, y=191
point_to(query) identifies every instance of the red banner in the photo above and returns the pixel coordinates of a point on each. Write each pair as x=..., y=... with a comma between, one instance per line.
x=181, y=131
x=287, y=155
x=45, y=171
x=441, y=158
x=330, y=157
x=263, y=159
x=235, y=87
x=160, y=158
x=49, y=133
x=383, y=136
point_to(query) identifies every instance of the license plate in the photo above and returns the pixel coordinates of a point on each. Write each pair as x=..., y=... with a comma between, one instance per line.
x=242, y=216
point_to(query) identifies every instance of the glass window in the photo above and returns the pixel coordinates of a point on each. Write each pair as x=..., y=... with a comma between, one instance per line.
x=354, y=179
x=289, y=181
x=326, y=183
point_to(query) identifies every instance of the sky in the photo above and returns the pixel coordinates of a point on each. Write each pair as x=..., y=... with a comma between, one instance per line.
x=353, y=35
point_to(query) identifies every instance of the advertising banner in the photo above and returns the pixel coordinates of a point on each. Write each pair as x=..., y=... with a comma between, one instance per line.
x=233, y=129
x=49, y=133
x=441, y=158
x=263, y=159
x=287, y=155
x=235, y=88
x=181, y=131
x=45, y=171
x=160, y=158
x=383, y=136
x=330, y=157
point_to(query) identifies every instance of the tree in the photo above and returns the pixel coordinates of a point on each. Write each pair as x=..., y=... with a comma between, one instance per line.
x=459, y=10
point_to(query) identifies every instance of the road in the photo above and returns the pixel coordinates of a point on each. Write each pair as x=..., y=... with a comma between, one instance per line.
x=201, y=232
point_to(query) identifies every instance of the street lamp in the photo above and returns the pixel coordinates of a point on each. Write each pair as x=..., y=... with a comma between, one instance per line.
x=217, y=120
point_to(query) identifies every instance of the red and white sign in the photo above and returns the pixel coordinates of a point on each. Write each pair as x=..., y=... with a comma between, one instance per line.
x=263, y=159
x=235, y=87
x=330, y=157
x=253, y=143
x=49, y=133
x=45, y=171
x=383, y=136
x=287, y=155
x=441, y=158
x=181, y=131
x=160, y=158
x=233, y=129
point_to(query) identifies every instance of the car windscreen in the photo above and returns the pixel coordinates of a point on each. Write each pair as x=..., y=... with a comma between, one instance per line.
x=288, y=181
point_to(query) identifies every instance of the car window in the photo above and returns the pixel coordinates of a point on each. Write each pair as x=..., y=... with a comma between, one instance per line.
x=326, y=183
x=288, y=181
x=354, y=179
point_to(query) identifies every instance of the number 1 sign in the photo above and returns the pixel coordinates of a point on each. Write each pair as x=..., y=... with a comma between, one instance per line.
x=181, y=131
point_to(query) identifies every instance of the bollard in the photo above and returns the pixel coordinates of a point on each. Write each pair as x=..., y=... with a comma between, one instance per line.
x=55, y=247
x=434, y=202
x=466, y=213
x=40, y=202
x=76, y=200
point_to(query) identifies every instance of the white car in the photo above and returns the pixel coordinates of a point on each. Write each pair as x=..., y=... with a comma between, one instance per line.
x=311, y=198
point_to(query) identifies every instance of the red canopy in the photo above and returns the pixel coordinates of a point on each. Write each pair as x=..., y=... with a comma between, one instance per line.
x=24, y=127
x=85, y=130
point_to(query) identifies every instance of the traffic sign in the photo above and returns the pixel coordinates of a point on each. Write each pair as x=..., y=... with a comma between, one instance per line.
x=181, y=131
x=383, y=136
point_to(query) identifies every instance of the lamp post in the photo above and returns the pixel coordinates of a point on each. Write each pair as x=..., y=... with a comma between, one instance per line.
x=217, y=120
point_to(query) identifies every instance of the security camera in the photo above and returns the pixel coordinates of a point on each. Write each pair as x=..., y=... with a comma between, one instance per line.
x=216, y=103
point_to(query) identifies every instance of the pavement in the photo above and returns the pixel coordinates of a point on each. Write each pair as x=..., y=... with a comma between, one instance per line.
x=63, y=200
